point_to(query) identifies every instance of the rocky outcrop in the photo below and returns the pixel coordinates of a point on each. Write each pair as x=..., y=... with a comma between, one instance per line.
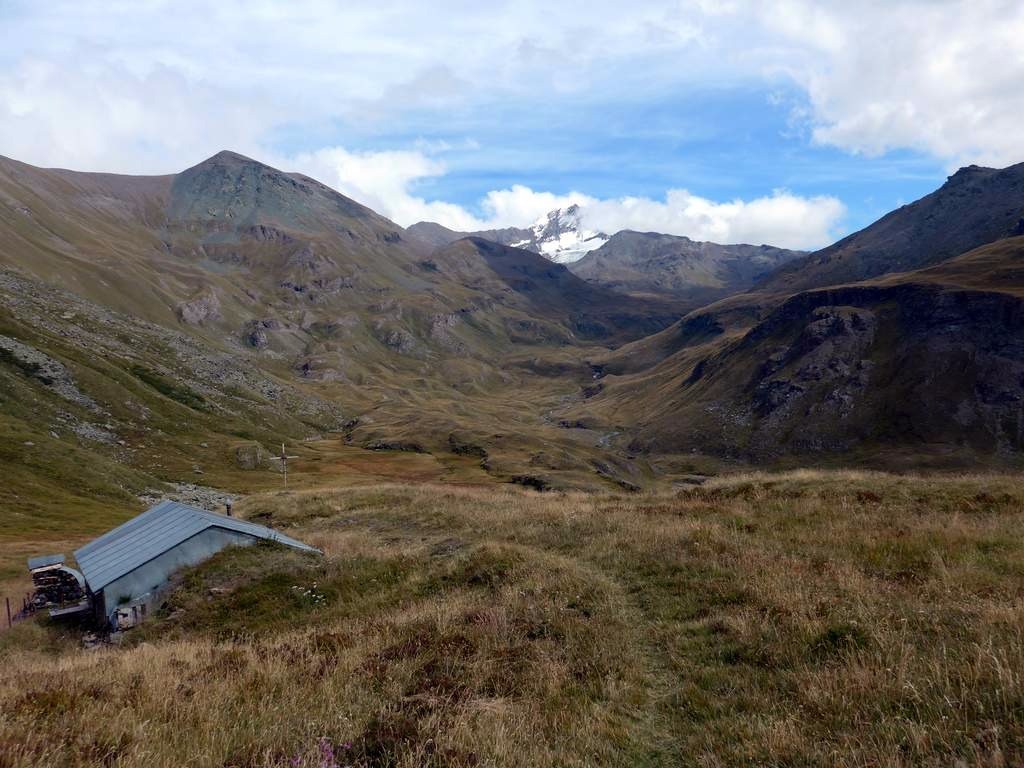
x=203, y=309
x=39, y=366
x=873, y=365
x=265, y=233
x=308, y=259
x=250, y=457
x=441, y=331
x=255, y=332
x=398, y=339
x=829, y=351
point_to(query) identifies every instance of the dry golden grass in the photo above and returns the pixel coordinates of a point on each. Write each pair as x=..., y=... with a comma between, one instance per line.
x=806, y=618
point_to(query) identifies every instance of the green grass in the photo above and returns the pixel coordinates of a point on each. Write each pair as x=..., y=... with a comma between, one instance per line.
x=797, y=619
x=176, y=392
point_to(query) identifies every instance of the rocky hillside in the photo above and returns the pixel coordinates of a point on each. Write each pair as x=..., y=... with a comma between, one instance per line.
x=648, y=263
x=235, y=249
x=426, y=236
x=234, y=301
x=143, y=316
x=975, y=206
x=925, y=363
x=548, y=292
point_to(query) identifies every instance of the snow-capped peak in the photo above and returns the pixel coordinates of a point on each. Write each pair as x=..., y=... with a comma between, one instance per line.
x=561, y=236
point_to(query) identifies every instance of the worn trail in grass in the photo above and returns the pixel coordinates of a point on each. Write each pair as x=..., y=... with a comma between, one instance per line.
x=798, y=619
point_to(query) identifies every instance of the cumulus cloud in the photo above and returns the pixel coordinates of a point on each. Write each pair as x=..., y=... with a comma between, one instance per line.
x=782, y=218
x=940, y=77
x=386, y=181
x=105, y=117
x=519, y=205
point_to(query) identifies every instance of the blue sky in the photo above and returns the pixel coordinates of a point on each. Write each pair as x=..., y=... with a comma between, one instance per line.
x=789, y=122
x=722, y=143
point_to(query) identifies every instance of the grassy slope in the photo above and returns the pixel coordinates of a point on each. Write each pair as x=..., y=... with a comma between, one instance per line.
x=800, y=619
x=472, y=369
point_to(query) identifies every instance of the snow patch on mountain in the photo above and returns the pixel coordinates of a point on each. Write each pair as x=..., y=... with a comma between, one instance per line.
x=561, y=236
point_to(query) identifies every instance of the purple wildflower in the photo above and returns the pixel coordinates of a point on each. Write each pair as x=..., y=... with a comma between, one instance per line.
x=327, y=758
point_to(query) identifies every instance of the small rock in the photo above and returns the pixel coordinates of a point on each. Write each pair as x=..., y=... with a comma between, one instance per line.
x=28, y=442
x=93, y=432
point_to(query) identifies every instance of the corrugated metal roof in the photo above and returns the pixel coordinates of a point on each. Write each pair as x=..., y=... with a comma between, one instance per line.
x=44, y=561
x=155, y=531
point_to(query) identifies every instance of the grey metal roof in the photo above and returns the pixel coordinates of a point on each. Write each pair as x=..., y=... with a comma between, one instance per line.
x=44, y=561
x=155, y=531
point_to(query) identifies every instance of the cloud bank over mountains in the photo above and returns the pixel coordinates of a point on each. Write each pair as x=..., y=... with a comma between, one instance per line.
x=342, y=93
x=385, y=181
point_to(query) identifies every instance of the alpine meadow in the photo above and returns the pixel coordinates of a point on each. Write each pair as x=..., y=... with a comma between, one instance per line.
x=511, y=385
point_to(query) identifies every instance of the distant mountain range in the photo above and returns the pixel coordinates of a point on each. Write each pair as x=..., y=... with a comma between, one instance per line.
x=143, y=316
x=637, y=263
x=560, y=236
x=648, y=263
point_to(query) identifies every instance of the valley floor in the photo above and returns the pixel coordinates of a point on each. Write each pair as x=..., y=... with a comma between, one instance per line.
x=805, y=618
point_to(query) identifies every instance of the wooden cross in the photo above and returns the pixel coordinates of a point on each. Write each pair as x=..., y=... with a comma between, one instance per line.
x=283, y=458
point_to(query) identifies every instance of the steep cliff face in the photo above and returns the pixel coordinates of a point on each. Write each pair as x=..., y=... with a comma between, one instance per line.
x=918, y=361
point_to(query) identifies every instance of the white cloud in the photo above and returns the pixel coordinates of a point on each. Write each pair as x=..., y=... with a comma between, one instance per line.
x=941, y=77
x=90, y=80
x=781, y=219
x=105, y=117
x=386, y=181
x=521, y=206
x=155, y=86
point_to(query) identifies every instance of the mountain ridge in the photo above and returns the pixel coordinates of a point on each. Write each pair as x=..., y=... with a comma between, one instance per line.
x=673, y=265
x=974, y=206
